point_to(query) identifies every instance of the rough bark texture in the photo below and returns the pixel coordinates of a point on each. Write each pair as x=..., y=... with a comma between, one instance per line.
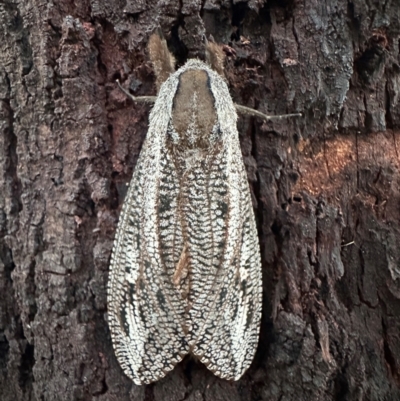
x=326, y=190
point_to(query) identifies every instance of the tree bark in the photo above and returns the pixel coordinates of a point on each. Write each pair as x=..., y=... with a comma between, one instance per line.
x=326, y=190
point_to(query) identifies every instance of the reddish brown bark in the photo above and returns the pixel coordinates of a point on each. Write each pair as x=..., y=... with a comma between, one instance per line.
x=326, y=190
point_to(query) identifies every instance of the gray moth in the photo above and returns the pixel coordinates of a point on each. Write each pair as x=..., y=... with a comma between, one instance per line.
x=185, y=273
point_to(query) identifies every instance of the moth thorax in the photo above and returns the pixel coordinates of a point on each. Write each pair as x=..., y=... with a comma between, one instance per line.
x=193, y=113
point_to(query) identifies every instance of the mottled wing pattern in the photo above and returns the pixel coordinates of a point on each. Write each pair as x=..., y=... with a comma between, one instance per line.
x=185, y=274
x=226, y=308
x=205, y=216
x=145, y=309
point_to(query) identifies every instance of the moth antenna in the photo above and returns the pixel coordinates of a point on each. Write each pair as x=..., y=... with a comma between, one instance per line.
x=161, y=58
x=215, y=57
x=241, y=109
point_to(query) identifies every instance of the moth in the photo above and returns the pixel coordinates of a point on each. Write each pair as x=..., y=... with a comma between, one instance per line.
x=185, y=273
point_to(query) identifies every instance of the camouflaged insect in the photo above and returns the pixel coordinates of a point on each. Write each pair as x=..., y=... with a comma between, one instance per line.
x=185, y=275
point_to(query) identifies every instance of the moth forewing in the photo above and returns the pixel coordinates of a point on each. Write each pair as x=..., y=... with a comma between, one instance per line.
x=185, y=275
x=227, y=338
x=144, y=307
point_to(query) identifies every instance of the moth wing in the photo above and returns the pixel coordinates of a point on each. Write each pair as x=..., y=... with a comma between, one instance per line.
x=145, y=310
x=226, y=310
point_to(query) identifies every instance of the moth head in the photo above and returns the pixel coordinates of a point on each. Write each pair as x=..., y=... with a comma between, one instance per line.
x=164, y=62
x=194, y=117
x=193, y=82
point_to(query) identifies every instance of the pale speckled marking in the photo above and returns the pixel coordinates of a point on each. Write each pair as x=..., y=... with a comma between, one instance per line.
x=199, y=200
